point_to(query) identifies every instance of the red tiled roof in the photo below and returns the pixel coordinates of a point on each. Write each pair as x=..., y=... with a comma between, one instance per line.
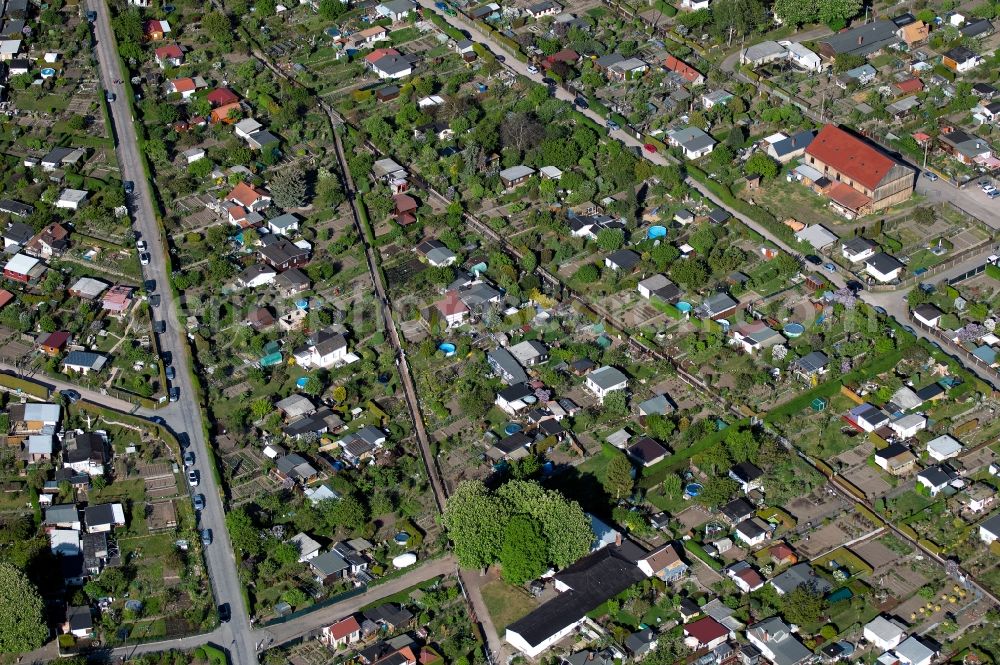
x=169, y=51
x=183, y=85
x=222, y=96
x=781, y=551
x=851, y=156
x=404, y=202
x=246, y=195
x=910, y=85
x=687, y=72
x=847, y=196
x=451, y=304
x=5, y=297
x=567, y=55
x=705, y=630
x=378, y=53
x=56, y=340
x=344, y=627
x=751, y=577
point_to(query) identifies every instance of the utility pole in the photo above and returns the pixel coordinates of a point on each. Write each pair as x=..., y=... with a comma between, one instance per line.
x=926, y=144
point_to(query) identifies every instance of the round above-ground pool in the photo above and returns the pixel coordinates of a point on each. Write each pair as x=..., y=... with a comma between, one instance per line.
x=48, y=72
x=684, y=307
x=447, y=347
x=402, y=538
x=794, y=329
x=302, y=382
x=693, y=489
x=530, y=399
x=512, y=428
x=656, y=232
x=302, y=304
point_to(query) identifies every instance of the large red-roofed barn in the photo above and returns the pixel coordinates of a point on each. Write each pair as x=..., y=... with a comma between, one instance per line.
x=845, y=158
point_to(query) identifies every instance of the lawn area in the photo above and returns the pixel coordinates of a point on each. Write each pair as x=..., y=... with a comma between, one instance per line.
x=909, y=503
x=598, y=464
x=506, y=604
x=843, y=557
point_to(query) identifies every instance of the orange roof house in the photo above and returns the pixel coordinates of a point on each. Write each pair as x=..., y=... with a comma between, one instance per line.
x=781, y=554
x=5, y=297
x=915, y=33
x=156, y=30
x=853, y=162
x=686, y=71
x=250, y=197
x=222, y=113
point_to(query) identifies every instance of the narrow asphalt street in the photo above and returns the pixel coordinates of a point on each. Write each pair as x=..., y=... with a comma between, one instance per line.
x=313, y=621
x=183, y=416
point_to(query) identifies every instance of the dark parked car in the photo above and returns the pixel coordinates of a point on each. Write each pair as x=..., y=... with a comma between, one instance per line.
x=175, y=394
x=813, y=259
x=171, y=373
x=149, y=284
x=71, y=395
x=225, y=614
x=129, y=187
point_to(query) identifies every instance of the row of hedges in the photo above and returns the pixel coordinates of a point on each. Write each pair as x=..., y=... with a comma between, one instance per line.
x=756, y=213
x=441, y=24
x=831, y=388
x=699, y=551
x=513, y=47
x=655, y=474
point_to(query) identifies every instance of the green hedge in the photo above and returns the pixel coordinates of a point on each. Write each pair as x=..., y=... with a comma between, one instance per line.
x=667, y=308
x=756, y=213
x=832, y=387
x=443, y=25
x=699, y=551
x=993, y=271
x=655, y=474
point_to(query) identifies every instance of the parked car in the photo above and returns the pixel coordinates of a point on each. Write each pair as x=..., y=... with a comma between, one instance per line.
x=149, y=285
x=110, y=96
x=532, y=69
x=154, y=300
x=171, y=373
x=830, y=267
x=199, y=502
x=72, y=396
x=193, y=478
x=189, y=458
x=649, y=147
x=225, y=614
x=144, y=259
x=141, y=245
x=129, y=187
x=930, y=175
x=813, y=259
x=175, y=394
x=206, y=537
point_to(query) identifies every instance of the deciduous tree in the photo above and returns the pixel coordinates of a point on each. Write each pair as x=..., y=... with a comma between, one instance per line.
x=22, y=619
x=523, y=555
x=618, y=476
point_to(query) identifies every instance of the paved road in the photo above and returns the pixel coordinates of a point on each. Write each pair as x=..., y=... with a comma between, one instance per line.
x=894, y=303
x=312, y=621
x=55, y=385
x=184, y=416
